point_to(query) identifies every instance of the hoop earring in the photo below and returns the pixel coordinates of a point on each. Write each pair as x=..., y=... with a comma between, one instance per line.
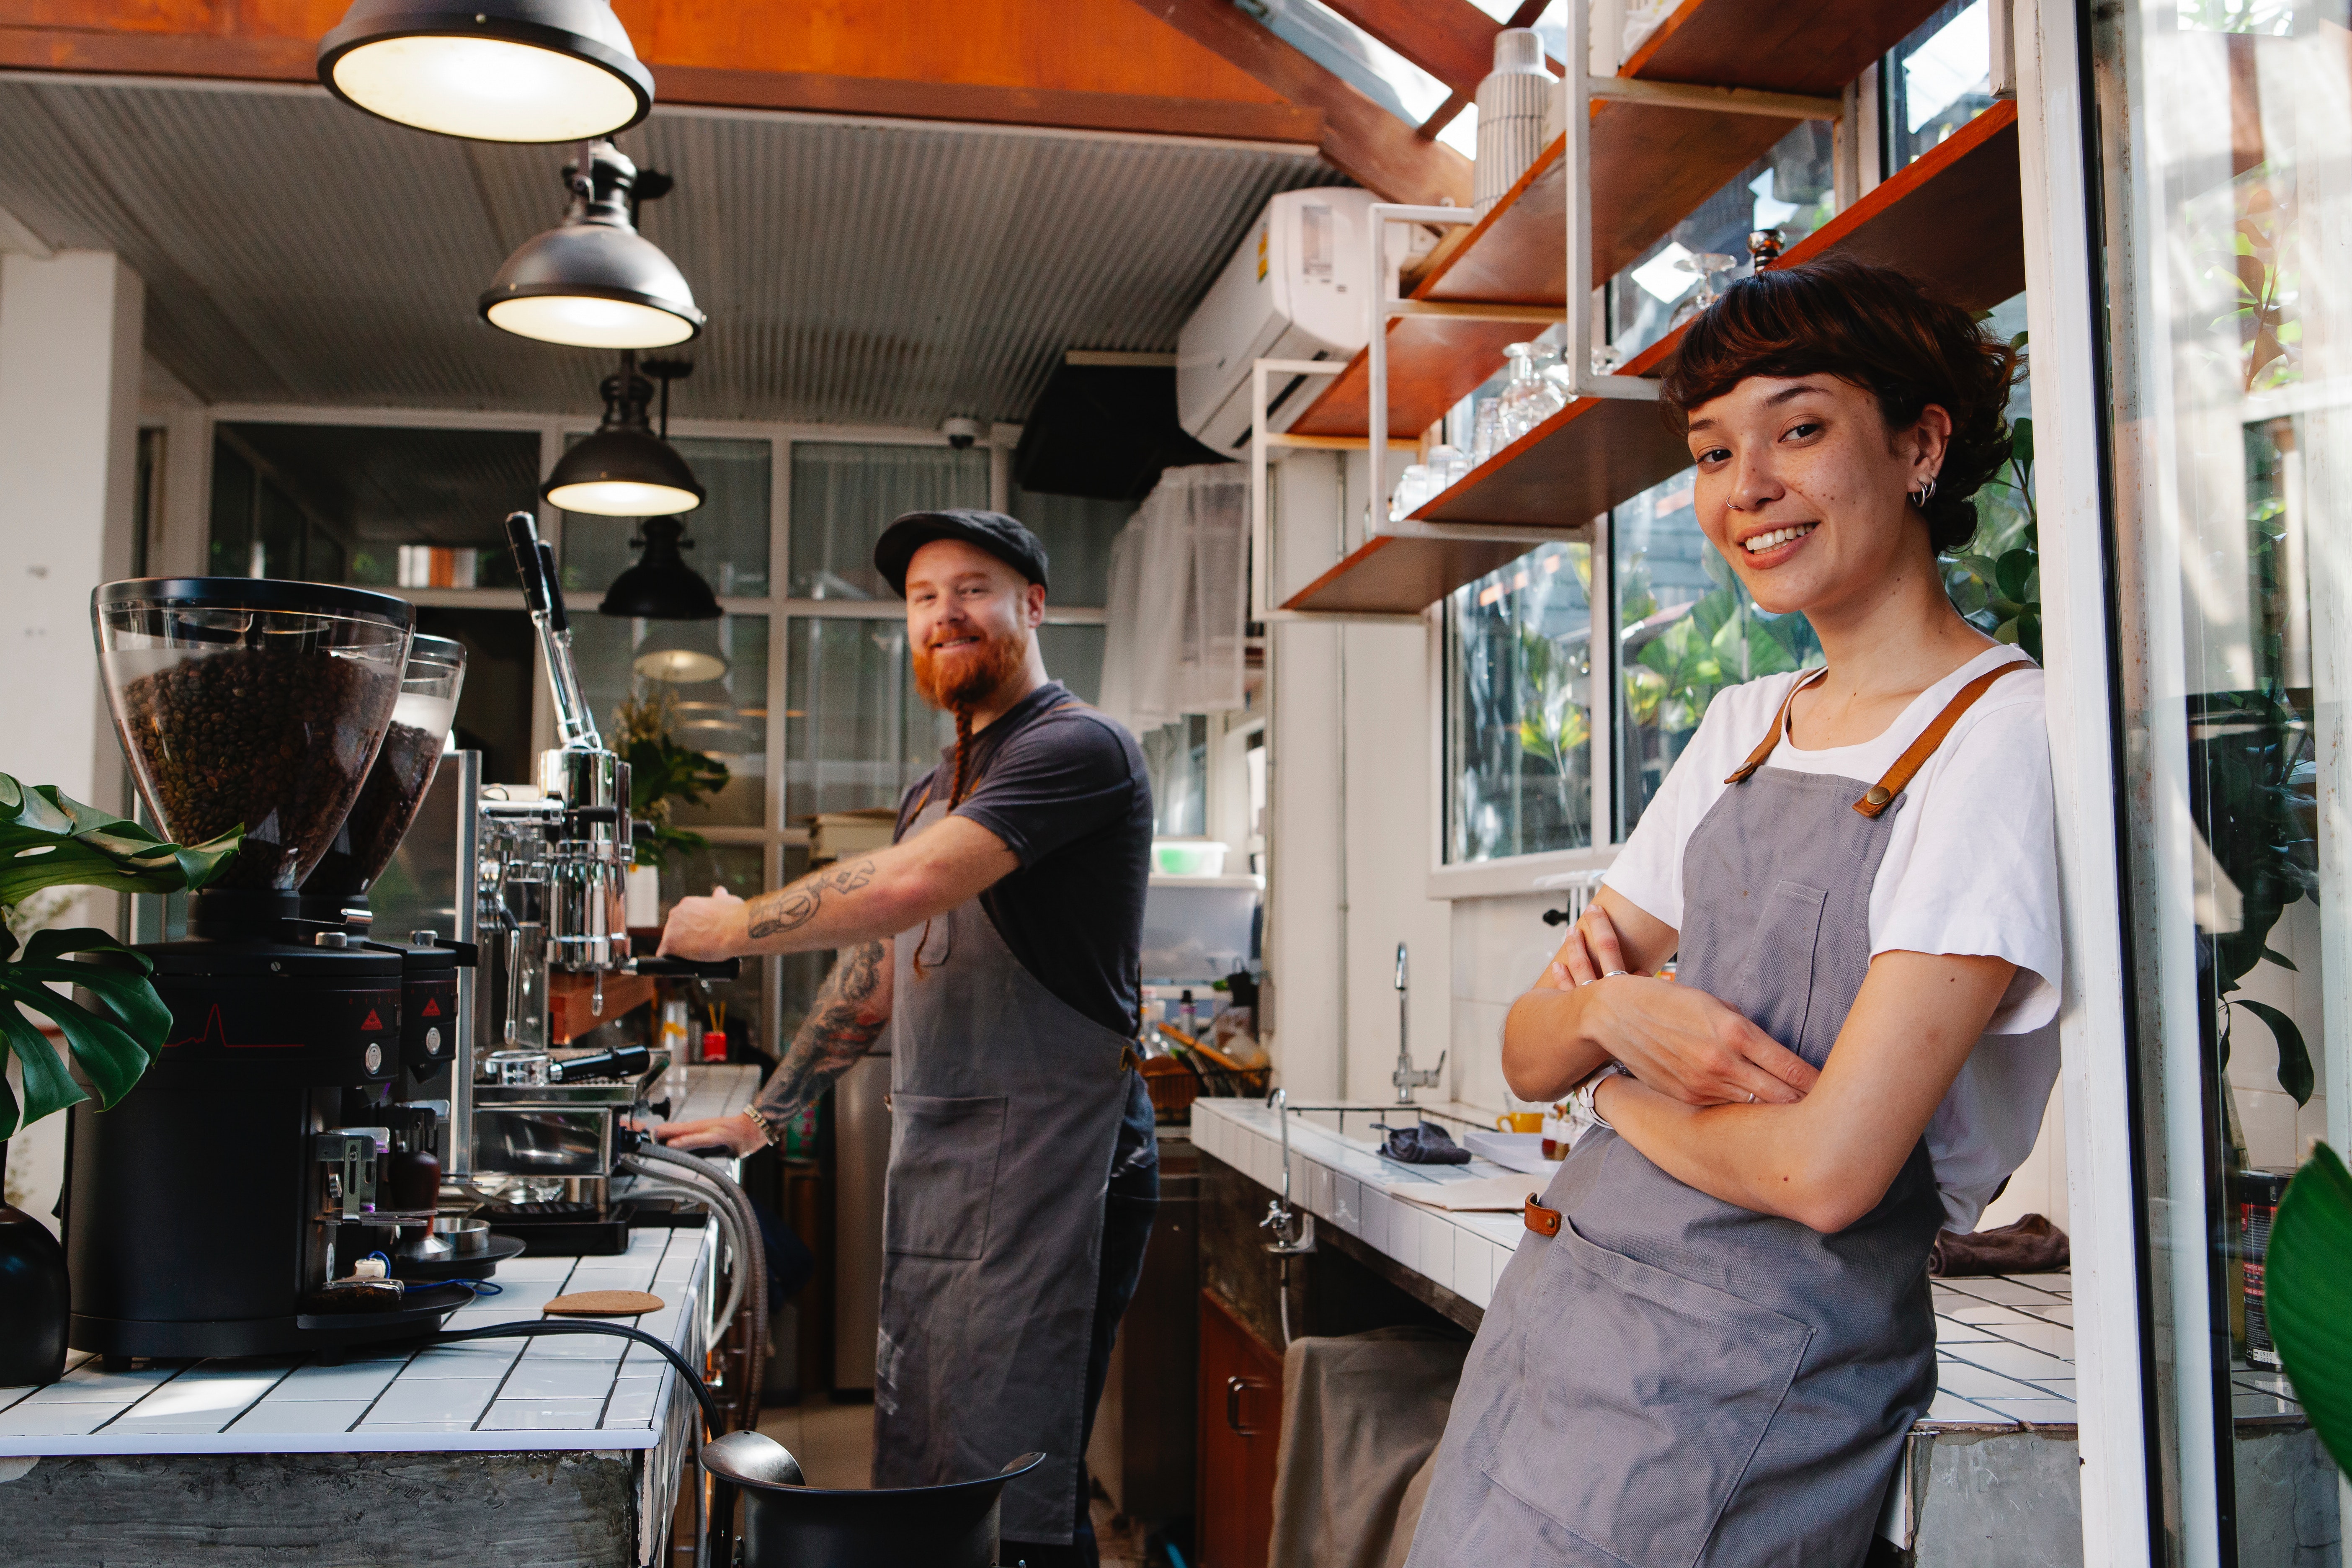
x=1927, y=492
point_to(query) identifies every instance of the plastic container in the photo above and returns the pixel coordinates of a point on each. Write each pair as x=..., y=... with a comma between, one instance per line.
x=1188, y=857
x=245, y=701
x=402, y=772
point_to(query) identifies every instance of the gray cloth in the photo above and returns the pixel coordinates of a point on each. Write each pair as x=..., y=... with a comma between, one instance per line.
x=1360, y=1418
x=1674, y=1380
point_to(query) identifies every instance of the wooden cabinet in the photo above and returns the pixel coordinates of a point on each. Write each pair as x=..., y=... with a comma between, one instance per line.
x=1240, y=1430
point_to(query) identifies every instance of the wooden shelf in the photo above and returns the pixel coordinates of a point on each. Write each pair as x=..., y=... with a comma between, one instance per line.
x=1954, y=219
x=1651, y=168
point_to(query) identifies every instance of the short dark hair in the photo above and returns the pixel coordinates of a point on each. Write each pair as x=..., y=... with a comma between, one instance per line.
x=1876, y=328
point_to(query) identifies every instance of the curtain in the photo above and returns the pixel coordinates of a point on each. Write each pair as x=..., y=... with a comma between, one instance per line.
x=1178, y=600
x=845, y=495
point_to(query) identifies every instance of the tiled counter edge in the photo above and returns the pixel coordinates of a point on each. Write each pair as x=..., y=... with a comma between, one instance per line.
x=568, y=1392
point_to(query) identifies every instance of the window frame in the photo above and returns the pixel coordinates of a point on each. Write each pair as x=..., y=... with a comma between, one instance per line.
x=182, y=532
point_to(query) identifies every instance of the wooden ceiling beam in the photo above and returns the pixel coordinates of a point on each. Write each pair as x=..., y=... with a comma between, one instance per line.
x=1363, y=141
x=280, y=59
x=1452, y=40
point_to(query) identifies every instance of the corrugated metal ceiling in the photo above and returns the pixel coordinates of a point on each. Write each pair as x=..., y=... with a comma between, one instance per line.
x=297, y=251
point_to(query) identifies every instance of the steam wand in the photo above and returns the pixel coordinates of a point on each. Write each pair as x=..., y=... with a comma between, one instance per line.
x=544, y=593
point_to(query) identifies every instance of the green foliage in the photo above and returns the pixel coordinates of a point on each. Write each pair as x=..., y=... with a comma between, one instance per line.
x=661, y=773
x=48, y=839
x=2247, y=753
x=51, y=840
x=1997, y=584
x=2307, y=1296
x=112, y=1046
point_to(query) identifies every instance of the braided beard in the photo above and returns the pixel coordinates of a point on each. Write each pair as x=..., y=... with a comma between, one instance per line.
x=965, y=684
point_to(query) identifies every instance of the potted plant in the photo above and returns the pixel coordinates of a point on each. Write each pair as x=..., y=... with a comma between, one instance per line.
x=49, y=840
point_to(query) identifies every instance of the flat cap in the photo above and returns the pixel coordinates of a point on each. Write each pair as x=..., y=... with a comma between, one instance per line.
x=1001, y=536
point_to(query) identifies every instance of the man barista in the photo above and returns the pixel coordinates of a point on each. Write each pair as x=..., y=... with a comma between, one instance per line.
x=1001, y=934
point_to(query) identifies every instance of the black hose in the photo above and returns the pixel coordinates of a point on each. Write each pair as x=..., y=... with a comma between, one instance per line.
x=722, y=1498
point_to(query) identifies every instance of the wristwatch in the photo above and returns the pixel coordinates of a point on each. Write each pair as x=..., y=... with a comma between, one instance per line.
x=770, y=1133
x=1583, y=1115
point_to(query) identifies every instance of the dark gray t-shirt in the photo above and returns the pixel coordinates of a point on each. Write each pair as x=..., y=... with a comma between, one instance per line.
x=1065, y=788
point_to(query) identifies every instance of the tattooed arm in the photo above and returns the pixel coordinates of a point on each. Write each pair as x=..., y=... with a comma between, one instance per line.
x=849, y=1013
x=876, y=895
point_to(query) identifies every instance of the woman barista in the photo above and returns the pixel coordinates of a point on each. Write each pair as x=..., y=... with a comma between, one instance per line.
x=1711, y=1344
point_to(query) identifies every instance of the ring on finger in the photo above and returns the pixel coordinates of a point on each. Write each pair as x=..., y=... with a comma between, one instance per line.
x=1751, y=1097
x=1613, y=974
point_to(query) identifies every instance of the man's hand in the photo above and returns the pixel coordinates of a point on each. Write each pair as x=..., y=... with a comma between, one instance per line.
x=738, y=1132
x=705, y=930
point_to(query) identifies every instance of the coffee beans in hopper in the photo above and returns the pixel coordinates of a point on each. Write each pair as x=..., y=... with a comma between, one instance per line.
x=388, y=801
x=278, y=739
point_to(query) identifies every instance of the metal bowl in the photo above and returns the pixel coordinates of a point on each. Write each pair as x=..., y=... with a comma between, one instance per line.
x=466, y=1236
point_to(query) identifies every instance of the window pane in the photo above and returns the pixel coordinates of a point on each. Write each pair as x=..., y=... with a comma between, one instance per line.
x=1073, y=656
x=380, y=508
x=1937, y=80
x=844, y=496
x=1518, y=685
x=1176, y=754
x=2232, y=335
x=1686, y=629
x=855, y=735
x=1077, y=532
x=1352, y=55
x=727, y=532
x=724, y=717
x=1788, y=189
x=502, y=679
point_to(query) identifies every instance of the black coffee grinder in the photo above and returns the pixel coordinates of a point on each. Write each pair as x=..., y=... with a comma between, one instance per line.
x=335, y=894
x=220, y=1208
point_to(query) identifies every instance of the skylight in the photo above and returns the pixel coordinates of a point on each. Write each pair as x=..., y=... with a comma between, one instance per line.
x=1955, y=61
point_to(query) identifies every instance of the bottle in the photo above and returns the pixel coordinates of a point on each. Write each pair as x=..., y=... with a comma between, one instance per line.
x=714, y=1046
x=1188, y=1016
x=1483, y=431
x=1555, y=1132
x=1512, y=422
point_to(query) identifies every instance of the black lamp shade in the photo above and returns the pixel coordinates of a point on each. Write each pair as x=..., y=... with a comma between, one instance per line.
x=624, y=469
x=594, y=281
x=489, y=70
x=661, y=586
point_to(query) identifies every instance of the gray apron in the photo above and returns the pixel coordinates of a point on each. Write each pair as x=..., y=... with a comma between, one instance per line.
x=1005, y=1107
x=1672, y=1379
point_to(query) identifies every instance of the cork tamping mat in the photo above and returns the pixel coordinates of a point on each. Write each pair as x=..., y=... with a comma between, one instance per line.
x=605, y=1304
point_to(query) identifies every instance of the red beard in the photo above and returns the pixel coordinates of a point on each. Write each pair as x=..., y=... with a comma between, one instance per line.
x=970, y=675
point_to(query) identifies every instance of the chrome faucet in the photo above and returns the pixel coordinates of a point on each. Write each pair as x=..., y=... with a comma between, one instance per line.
x=1408, y=1078
x=1293, y=1228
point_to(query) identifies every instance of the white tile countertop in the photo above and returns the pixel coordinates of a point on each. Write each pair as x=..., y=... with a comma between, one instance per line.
x=572, y=1392
x=2004, y=1345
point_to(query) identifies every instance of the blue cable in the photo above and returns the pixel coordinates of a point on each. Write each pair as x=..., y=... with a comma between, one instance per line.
x=486, y=1287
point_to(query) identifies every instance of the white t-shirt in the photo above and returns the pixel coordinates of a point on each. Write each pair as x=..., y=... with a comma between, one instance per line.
x=1971, y=867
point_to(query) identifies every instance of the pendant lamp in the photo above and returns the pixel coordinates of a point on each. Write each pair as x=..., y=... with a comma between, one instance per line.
x=660, y=586
x=682, y=653
x=625, y=470
x=594, y=281
x=489, y=70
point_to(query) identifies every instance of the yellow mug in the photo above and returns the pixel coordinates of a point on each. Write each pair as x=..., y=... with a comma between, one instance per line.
x=1519, y=1122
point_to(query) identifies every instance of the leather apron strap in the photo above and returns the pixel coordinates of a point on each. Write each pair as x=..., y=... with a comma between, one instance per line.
x=1915, y=756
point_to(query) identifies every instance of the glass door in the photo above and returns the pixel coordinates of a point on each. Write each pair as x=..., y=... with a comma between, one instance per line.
x=2227, y=195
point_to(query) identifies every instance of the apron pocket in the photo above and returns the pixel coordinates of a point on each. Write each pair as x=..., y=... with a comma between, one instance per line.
x=943, y=1155
x=1642, y=1399
x=1777, y=981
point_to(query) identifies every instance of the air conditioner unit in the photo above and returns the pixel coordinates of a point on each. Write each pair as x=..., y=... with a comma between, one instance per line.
x=1298, y=287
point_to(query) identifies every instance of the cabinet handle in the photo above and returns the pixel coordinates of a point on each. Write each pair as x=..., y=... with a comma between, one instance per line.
x=1233, y=1386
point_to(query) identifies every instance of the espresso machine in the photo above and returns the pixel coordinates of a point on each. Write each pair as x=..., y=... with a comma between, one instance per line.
x=219, y=1209
x=542, y=1125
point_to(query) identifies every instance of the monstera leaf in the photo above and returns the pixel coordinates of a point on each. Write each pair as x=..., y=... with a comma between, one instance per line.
x=48, y=839
x=113, y=1044
x=2307, y=1295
